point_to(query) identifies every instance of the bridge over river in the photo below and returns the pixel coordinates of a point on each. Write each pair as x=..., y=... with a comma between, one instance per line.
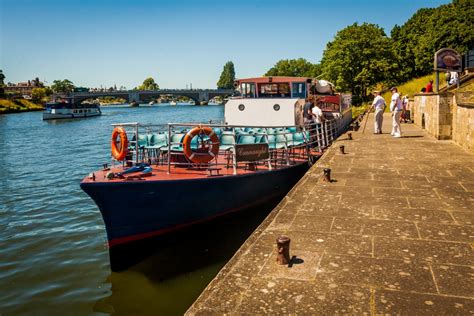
x=141, y=96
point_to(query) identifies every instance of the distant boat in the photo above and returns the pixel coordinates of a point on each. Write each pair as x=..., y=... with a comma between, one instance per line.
x=191, y=102
x=151, y=102
x=68, y=110
x=173, y=103
x=134, y=104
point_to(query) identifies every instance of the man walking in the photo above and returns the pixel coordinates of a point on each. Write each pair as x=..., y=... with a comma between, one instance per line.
x=396, y=108
x=379, y=106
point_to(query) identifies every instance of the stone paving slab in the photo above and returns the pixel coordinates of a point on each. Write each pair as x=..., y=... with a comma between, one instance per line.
x=392, y=234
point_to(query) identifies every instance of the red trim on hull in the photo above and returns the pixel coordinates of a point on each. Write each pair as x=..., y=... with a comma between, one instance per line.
x=123, y=240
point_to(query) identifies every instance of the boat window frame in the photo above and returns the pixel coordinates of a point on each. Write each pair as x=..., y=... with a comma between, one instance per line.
x=278, y=94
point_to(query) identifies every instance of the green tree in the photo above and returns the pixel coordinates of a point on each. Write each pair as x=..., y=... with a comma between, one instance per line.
x=359, y=57
x=294, y=68
x=428, y=30
x=40, y=94
x=2, y=84
x=227, y=78
x=148, y=84
x=62, y=86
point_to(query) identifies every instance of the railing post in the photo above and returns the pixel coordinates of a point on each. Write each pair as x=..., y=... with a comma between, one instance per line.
x=136, y=144
x=286, y=149
x=269, y=154
x=234, y=153
x=169, y=148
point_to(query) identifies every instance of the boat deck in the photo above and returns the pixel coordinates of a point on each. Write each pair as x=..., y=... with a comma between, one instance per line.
x=217, y=168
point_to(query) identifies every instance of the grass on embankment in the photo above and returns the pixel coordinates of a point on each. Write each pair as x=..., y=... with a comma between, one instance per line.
x=409, y=88
x=18, y=105
x=414, y=86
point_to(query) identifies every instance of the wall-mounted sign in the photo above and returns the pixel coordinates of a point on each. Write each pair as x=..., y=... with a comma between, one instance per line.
x=251, y=152
x=447, y=59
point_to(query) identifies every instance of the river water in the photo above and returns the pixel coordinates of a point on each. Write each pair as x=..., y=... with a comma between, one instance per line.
x=53, y=254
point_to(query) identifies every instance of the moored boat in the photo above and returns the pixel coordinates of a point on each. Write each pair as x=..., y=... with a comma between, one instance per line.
x=65, y=109
x=181, y=174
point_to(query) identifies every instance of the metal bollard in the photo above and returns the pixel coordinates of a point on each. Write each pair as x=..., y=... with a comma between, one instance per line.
x=327, y=175
x=341, y=149
x=283, y=250
x=349, y=136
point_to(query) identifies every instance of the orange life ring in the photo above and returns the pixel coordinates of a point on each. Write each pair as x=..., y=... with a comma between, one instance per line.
x=119, y=153
x=201, y=157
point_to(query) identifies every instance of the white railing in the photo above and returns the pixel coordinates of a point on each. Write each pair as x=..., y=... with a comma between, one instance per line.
x=287, y=145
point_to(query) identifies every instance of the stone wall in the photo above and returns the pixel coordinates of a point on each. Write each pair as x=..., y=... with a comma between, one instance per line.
x=434, y=113
x=463, y=122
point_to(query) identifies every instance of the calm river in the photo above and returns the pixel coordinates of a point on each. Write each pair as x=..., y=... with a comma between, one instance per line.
x=53, y=254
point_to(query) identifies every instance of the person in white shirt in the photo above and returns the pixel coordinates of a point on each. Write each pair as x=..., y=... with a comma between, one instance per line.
x=379, y=106
x=396, y=108
x=454, y=78
x=318, y=116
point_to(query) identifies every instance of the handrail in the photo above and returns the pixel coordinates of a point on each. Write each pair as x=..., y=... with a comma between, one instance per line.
x=284, y=152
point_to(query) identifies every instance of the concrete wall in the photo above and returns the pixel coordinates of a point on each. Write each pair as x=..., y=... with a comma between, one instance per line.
x=463, y=123
x=436, y=112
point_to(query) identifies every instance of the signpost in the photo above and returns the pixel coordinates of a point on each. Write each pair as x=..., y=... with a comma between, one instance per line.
x=446, y=59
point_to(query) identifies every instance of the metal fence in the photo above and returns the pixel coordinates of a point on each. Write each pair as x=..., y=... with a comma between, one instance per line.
x=162, y=145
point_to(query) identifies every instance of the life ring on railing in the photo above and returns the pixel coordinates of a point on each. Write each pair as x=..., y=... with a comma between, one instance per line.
x=201, y=156
x=119, y=152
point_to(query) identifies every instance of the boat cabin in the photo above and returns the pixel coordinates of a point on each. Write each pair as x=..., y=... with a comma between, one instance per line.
x=278, y=101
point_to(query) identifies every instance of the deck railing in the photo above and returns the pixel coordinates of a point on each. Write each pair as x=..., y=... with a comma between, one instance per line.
x=287, y=145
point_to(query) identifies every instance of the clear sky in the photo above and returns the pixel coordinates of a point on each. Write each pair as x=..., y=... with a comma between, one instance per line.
x=107, y=42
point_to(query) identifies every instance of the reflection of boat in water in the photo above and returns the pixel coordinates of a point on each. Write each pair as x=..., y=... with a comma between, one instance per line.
x=257, y=155
x=173, y=102
x=64, y=109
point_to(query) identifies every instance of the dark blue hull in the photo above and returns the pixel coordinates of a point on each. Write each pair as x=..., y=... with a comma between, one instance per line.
x=142, y=209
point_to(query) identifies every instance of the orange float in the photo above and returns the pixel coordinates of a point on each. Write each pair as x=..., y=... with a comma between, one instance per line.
x=119, y=152
x=197, y=156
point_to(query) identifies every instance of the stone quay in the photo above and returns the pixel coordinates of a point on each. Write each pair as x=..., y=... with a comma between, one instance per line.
x=392, y=233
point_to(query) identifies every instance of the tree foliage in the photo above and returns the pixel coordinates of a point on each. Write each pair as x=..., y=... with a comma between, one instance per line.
x=227, y=78
x=294, y=68
x=2, y=84
x=428, y=30
x=62, y=86
x=358, y=57
x=40, y=94
x=148, y=84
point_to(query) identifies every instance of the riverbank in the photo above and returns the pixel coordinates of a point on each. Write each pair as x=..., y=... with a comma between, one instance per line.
x=18, y=105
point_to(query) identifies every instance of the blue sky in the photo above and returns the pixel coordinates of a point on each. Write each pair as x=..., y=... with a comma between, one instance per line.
x=107, y=42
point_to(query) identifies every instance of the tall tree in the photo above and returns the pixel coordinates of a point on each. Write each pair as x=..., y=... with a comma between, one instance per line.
x=428, y=30
x=148, y=84
x=294, y=68
x=62, y=86
x=358, y=57
x=2, y=84
x=227, y=78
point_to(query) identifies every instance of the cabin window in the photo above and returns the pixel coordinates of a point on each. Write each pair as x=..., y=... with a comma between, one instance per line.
x=274, y=90
x=298, y=90
x=241, y=107
x=248, y=90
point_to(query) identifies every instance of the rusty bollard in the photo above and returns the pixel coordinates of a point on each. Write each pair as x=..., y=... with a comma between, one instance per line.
x=349, y=136
x=283, y=250
x=341, y=149
x=327, y=175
